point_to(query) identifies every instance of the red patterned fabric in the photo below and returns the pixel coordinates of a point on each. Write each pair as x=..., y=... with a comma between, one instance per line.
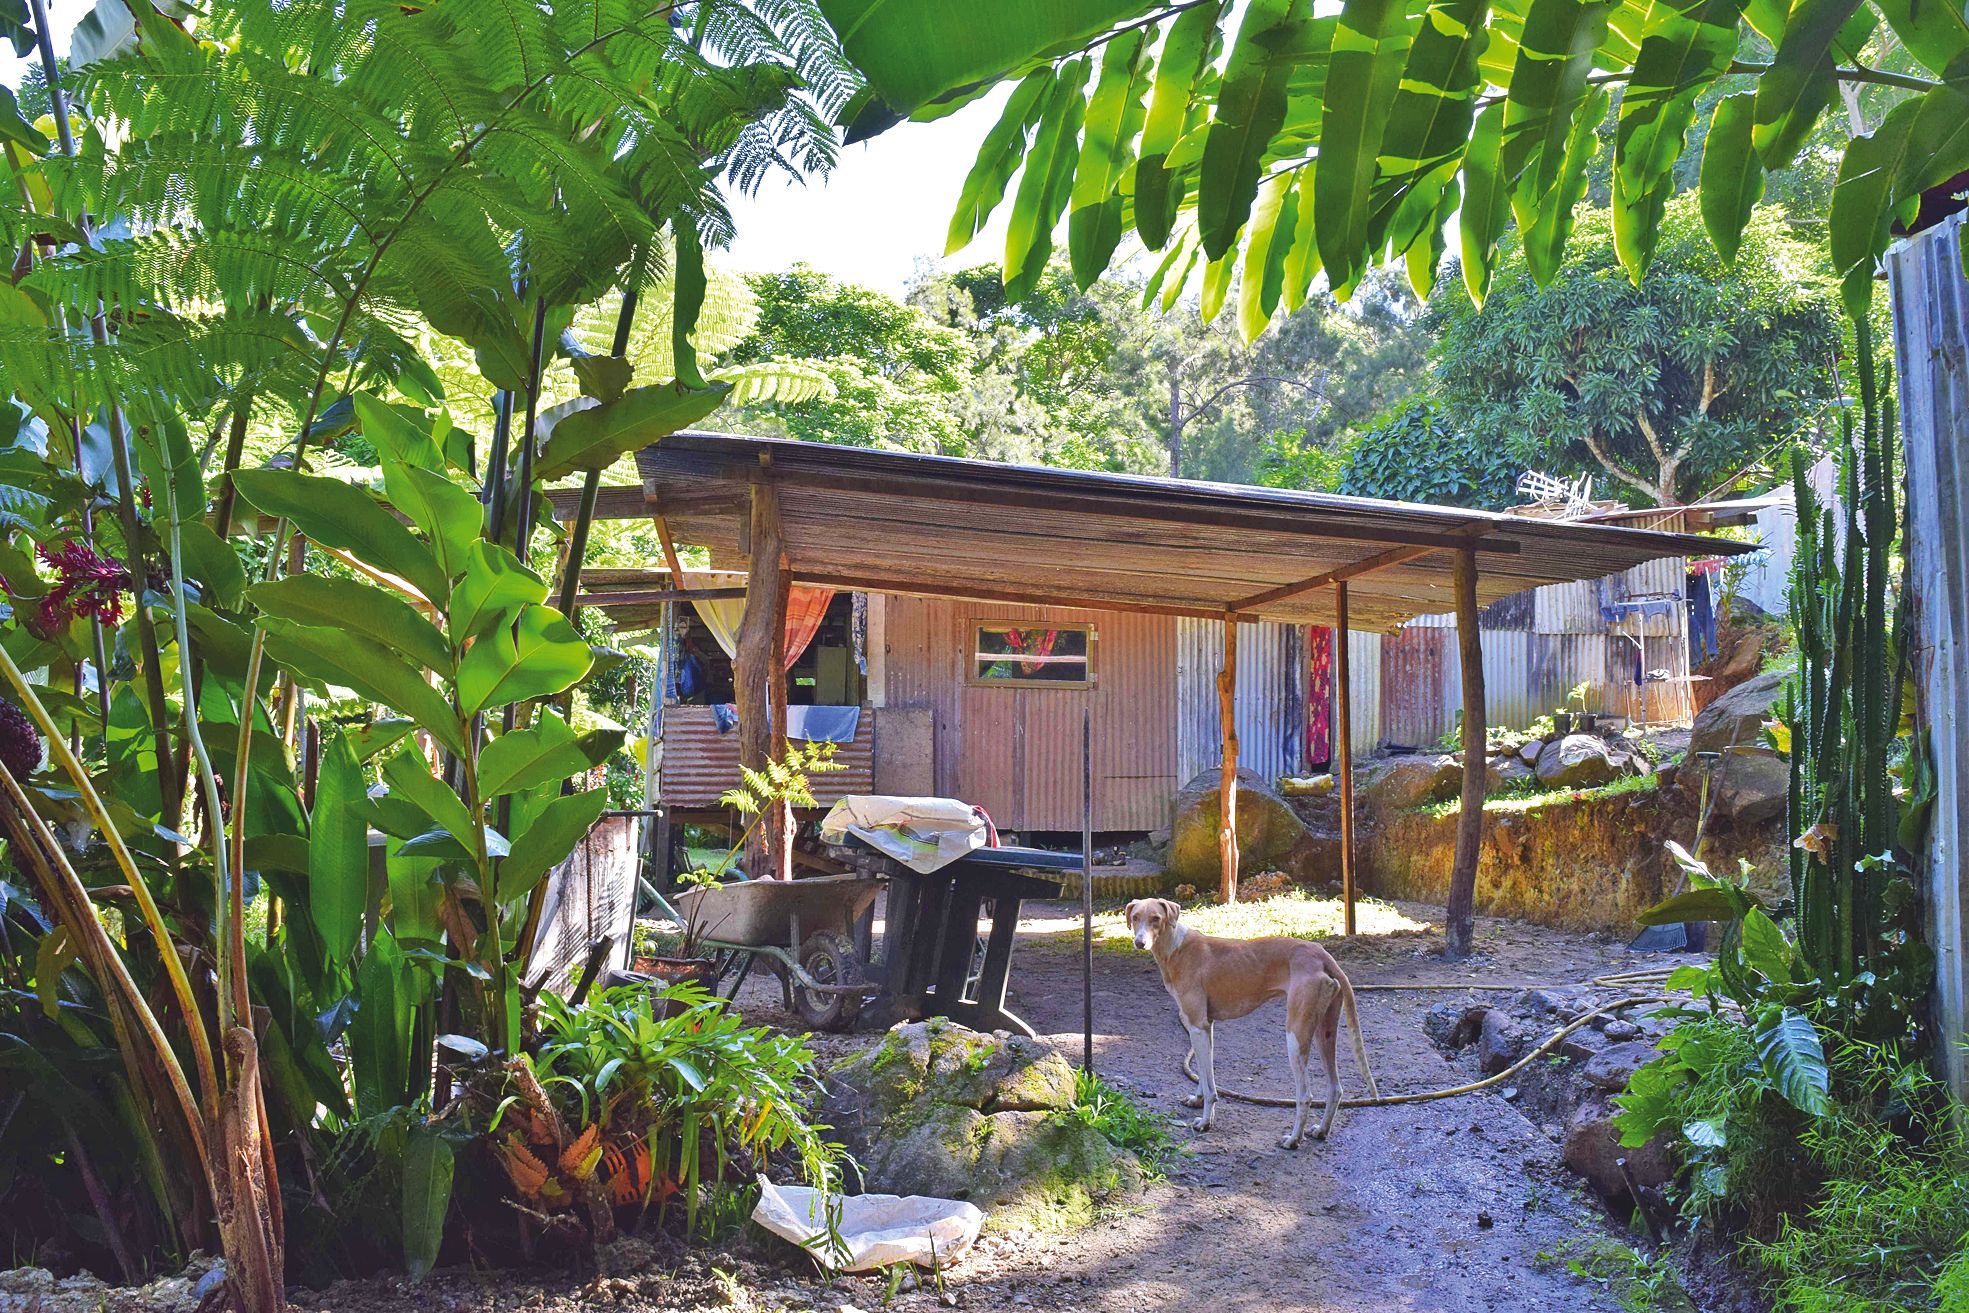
x=805, y=609
x=1319, y=695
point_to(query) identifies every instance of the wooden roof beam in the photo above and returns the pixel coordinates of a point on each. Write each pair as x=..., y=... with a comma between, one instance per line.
x=1284, y=592
x=1011, y=596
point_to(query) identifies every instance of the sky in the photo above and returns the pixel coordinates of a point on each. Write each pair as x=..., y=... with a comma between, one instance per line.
x=886, y=206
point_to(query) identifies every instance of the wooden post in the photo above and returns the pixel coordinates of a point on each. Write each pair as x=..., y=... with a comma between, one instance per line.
x=1470, y=820
x=1343, y=747
x=761, y=636
x=1227, y=780
x=778, y=824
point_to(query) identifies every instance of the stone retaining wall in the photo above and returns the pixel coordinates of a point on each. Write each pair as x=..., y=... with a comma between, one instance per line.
x=1591, y=864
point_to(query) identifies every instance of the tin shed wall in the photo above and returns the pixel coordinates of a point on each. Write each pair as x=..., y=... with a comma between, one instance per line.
x=1271, y=697
x=1016, y=751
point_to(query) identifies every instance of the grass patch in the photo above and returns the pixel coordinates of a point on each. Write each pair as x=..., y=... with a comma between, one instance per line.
x=1889, y=1231
x=1295, y=915
x=1529, y=795
x=1124, y=1123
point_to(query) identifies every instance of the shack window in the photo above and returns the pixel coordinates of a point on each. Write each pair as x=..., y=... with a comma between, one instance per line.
x=1038, y=656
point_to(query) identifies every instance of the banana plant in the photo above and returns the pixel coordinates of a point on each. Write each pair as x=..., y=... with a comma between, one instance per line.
x=447, y=629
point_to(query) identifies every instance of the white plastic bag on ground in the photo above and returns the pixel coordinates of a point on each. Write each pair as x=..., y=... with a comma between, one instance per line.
x=875, y=1229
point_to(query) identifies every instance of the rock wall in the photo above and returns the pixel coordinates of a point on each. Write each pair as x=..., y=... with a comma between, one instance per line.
x=1591, y=864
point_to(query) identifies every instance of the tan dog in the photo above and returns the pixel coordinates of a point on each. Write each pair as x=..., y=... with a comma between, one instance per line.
x=1215, y=980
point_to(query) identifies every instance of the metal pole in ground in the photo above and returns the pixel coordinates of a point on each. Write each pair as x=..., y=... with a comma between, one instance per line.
x=1087, y=889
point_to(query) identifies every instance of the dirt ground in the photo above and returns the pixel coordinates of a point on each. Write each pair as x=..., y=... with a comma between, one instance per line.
x=1456, y=1206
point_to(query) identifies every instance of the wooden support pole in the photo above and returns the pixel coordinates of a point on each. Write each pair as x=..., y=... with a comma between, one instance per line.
x=1343, y=747
x=1227, y=781
x=761, y=636
x=1470, y=820
x=779, y=817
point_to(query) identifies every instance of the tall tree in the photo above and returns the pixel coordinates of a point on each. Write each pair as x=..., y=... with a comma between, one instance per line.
x=1665, y=388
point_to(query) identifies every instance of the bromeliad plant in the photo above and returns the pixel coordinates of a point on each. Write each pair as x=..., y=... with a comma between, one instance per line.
x=637, y=1097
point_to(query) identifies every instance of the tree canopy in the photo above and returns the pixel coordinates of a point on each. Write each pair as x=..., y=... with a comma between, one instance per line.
x=1665, y=387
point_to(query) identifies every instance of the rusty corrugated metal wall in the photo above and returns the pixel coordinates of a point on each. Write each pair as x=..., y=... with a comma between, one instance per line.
x=1016, y=751
x=1271, y=697
x=1538, y=646
x=700, y=761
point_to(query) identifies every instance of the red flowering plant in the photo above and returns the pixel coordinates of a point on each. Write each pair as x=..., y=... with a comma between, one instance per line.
x=87, y=585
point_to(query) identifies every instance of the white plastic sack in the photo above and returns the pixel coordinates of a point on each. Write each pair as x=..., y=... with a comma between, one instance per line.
x=875, y=1229
x=921, y=833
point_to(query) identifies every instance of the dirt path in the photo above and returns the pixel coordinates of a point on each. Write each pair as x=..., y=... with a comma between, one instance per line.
x=1437, y=1206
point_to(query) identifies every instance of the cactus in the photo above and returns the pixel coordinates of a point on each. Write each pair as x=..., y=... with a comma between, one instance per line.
x=1842, y=710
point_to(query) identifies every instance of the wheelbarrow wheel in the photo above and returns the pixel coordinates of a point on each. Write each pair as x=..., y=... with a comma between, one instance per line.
x=830, y=958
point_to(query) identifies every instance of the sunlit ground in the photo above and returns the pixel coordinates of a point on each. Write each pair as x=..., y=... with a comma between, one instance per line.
x=1296, y=914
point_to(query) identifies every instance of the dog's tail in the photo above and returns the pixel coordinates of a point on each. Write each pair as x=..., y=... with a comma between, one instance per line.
x=1354, y=1026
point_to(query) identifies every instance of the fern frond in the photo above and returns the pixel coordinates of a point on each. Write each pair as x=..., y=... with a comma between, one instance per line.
x=787, y=381
x=211, y=267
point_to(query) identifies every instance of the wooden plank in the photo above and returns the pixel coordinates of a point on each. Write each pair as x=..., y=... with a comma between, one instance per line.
x=1337, y=575
x=1931, y=347
x=1343, y=743
x=761, y=630
x=1470, y=820
x=905, y=750
x=1227, y=769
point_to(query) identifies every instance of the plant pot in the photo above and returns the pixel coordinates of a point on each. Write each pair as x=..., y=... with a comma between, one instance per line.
x=1562, y=723
x=667, y=971
x=1589, y=722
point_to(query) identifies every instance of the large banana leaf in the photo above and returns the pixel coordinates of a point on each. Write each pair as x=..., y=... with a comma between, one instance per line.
x=917, y=52
x=340, y=515
x=598, y=436
x=1370, y=46
x=338, y=852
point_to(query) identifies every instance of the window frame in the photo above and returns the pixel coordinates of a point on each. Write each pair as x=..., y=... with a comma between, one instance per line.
x=976, y=624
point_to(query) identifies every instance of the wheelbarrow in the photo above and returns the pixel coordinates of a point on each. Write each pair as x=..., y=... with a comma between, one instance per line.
x=804, y=929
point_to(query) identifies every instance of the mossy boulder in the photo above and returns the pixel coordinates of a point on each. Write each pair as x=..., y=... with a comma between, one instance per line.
x=939, y=1109
x=1270, y=834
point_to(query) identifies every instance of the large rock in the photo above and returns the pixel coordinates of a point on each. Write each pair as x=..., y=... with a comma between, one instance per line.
x=1577, y=761
x=1502, y=772
x=1270, y=835
x=1750, y=786
x=1593, y=1149
x=1611, y=1068
x=1738, y=716
x=938, y=1109
x=1399, y=783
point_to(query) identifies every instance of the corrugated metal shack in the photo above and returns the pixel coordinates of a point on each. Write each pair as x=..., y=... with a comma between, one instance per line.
x=929, y=728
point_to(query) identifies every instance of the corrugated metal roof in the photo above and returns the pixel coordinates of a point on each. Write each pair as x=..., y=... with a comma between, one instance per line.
x=900, y=522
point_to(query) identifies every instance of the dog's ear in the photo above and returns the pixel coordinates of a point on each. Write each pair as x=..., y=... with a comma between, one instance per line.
x=1175, y=910
x=1128, y=912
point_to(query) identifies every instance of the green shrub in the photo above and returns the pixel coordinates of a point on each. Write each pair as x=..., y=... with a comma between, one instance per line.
x=1123, y=1123
x=1735, y=1134
x=1889, y=1232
